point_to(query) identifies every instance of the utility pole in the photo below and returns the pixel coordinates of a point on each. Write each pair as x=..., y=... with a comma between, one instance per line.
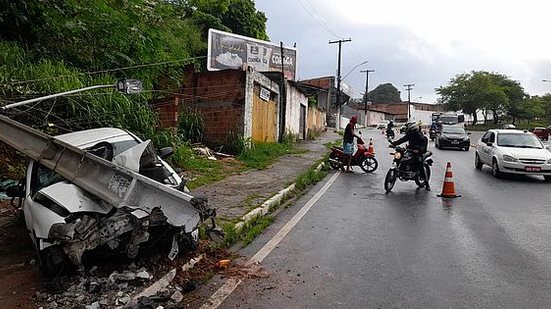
x=409, y=87
x=339, y=80
x=282, y=97
x=366, y=90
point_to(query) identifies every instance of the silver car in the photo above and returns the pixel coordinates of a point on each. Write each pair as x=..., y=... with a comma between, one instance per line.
x=509, y=151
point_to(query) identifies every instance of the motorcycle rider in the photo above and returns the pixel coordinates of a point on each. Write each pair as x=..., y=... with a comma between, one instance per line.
x=348, y=142
x=417, y=143
x=390, y=127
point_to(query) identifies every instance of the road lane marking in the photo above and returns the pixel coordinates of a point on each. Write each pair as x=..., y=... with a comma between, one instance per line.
x=231, y=284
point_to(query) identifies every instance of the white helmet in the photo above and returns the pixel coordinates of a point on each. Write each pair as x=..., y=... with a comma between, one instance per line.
x=412, y=126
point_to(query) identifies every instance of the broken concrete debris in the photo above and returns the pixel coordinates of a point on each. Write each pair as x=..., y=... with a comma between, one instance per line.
x=126, y=289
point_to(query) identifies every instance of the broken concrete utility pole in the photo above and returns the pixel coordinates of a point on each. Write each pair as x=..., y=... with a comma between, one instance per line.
x=116, y=185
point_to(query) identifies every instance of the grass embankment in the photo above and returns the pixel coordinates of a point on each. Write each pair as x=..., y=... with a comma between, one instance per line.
x=202, y=171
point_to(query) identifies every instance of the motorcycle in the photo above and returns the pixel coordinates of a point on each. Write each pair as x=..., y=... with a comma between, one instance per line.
x=390, y=133
x=405, y=168
x=432, y=134
x=362, y=158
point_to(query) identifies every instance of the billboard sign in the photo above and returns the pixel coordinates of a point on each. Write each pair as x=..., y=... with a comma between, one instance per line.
x=232, y=51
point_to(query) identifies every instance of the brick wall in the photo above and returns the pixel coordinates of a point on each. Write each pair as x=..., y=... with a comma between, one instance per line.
x=219, y=98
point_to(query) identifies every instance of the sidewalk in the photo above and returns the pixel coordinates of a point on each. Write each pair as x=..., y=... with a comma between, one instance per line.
x=236, y=195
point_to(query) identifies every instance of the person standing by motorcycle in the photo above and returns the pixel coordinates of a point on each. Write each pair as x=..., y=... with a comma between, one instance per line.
x=417, y=143
x=348, y=142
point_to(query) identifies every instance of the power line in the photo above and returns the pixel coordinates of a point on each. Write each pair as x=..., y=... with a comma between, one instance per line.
x=320, y=22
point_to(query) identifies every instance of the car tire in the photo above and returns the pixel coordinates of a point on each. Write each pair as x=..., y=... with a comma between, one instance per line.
x=467, y=148
x=495, y=169
x=53, y=261
x=547, y=178
x=477, y=163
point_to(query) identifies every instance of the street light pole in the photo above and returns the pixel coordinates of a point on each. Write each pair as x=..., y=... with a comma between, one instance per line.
x=127, y=86
x=338, y=103
x=366, y=90
x=409, y=87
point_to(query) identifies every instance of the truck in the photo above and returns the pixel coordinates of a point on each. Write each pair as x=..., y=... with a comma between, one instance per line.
x=448, y=118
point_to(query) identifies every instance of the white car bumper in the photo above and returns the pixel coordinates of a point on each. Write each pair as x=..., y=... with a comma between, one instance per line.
x=526, y=169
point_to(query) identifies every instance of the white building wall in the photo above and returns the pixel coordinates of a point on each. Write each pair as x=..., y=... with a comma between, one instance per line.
x=373, y=118
x=421, y=115
x=295, y=99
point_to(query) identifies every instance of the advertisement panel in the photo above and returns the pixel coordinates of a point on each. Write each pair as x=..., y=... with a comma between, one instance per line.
x=232, y=51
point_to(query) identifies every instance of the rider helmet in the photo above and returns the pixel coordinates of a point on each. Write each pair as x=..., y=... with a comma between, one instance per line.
x=411, y=126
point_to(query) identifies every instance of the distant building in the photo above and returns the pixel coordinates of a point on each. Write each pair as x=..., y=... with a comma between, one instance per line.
x=326, y=89
x=398, y=112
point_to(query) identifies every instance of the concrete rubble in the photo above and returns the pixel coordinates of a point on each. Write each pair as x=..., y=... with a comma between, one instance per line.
x=126, y=289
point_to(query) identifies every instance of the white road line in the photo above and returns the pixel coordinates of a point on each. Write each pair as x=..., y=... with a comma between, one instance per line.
x=231, y=284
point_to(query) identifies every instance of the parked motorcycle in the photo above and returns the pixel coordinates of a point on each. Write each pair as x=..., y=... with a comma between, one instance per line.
x=362, y=158
x=405, y=168
x=390, y=133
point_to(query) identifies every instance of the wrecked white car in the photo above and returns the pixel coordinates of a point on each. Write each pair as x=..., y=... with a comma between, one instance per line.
x=65, y=222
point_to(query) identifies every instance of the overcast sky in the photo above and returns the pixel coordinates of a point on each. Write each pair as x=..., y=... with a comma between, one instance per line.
x=423, y=42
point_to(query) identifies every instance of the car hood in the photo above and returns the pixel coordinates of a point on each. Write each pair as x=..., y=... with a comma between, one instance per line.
x=527, y=153
x=451, y=135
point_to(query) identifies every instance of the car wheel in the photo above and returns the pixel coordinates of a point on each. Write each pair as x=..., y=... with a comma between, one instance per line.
x=467, y=148
x=547, y=178
x=477, y=163
x=495, y=169
x=436, y=144
x=53, y=261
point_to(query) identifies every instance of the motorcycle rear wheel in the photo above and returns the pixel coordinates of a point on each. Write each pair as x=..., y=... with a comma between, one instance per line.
x=390, y=180
x=422, y=183
x=334, y=165
x=369, y=164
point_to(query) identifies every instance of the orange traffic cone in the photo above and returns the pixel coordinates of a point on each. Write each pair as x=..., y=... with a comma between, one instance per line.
x=370, y=149
x=448, y=189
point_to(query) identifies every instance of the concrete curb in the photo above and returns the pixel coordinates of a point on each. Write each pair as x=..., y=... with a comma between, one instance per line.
x=264, y=209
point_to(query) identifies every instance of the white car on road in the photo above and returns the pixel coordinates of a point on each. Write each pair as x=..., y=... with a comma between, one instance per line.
x=513, y=152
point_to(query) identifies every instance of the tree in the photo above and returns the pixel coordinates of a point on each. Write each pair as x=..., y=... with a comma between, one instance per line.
x=384, y=93
x=480, y=90
x=236, y=16
x=243, y=18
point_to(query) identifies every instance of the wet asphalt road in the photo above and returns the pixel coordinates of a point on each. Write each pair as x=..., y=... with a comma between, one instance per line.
x=361, y=248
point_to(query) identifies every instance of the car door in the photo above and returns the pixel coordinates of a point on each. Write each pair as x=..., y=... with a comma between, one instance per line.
x=485, y=151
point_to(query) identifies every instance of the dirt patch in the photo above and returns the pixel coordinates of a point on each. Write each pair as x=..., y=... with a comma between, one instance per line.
x=19, y=275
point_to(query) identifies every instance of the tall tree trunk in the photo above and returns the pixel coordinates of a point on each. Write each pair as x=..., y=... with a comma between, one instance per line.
x=485, y=114
x=496, y=116
x=475, y=120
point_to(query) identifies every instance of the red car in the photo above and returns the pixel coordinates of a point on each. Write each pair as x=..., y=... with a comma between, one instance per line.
x=541, y=132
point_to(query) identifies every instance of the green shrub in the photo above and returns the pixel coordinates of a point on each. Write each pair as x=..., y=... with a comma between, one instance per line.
x=191, y=127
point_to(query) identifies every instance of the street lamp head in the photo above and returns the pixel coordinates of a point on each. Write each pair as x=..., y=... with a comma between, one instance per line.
x=129, y=86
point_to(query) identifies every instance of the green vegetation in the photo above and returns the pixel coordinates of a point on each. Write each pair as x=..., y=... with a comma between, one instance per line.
x=48, y=47
x=254, y=227
x=262, y=155
x=384, y=93
x=497, y=95
x=309, y=178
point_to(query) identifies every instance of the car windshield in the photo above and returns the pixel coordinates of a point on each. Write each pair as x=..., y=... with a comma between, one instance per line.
x=518, y=140
x=453, y=130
